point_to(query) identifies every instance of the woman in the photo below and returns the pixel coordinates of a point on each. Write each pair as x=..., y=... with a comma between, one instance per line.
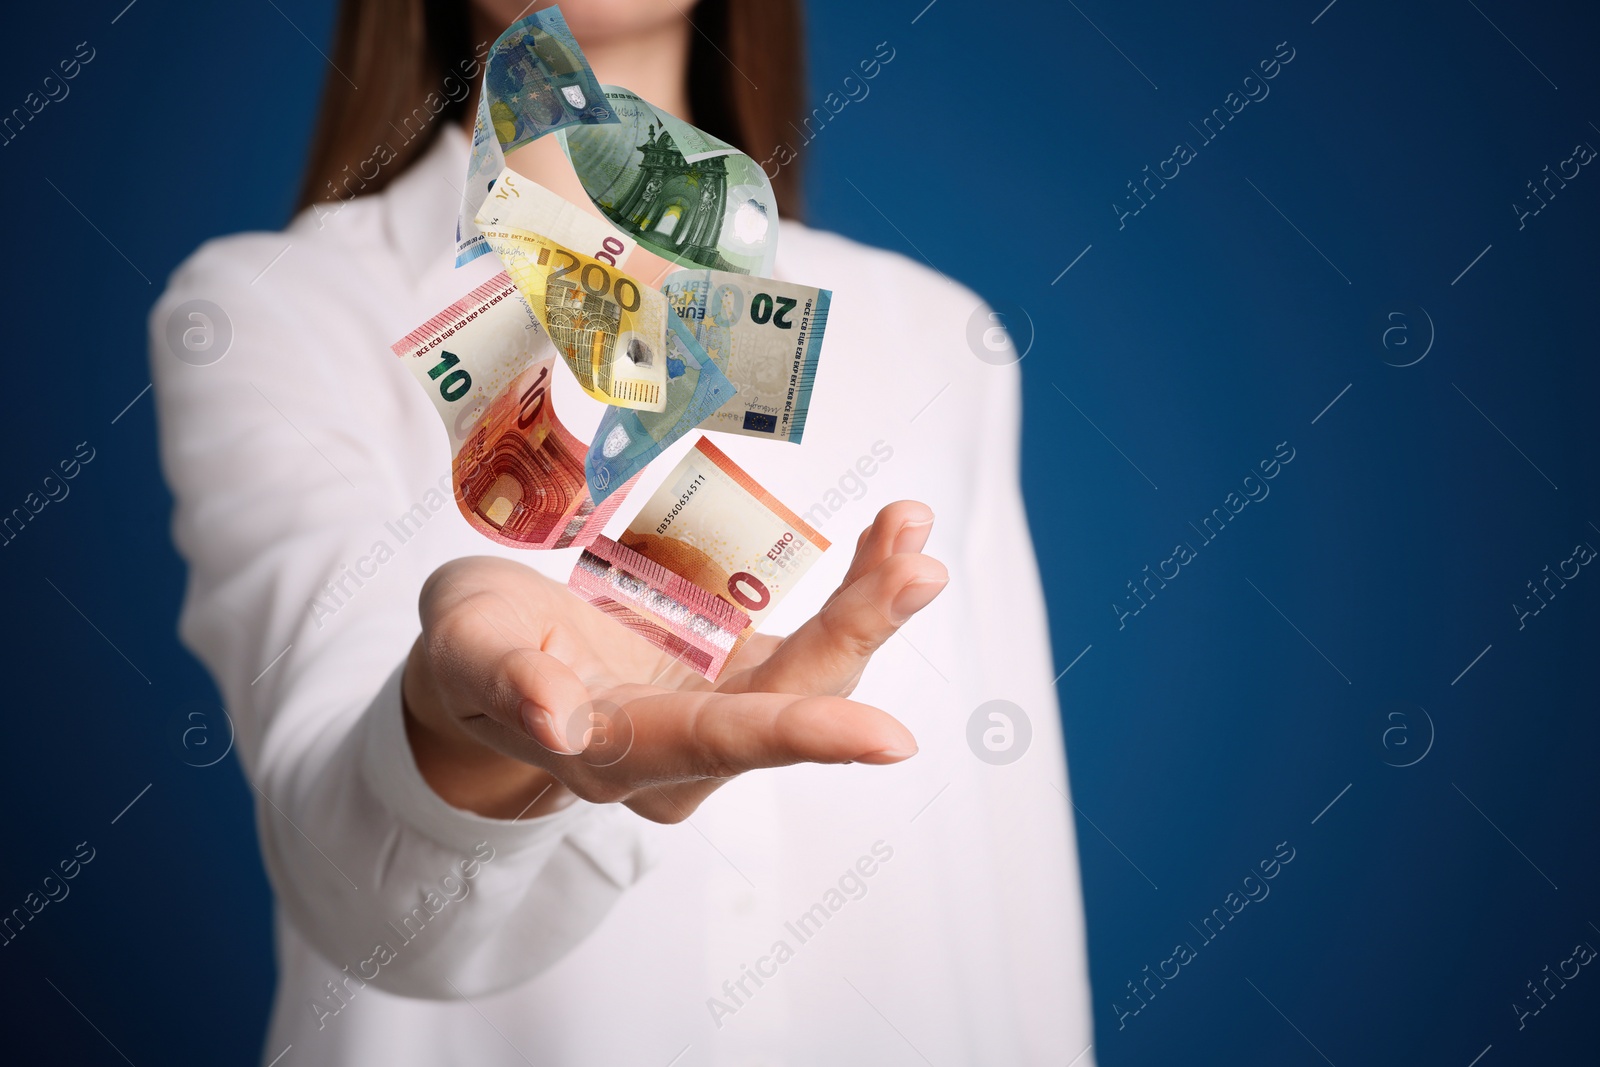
x=456, y=882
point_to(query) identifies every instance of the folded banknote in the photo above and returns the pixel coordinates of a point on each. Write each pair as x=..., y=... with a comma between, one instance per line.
x=628, y=440
x=518, y=473
x=713, y=524
x=535, y=81
x=765, y=335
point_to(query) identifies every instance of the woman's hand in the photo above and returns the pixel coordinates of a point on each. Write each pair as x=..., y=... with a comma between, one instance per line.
x=519, y=695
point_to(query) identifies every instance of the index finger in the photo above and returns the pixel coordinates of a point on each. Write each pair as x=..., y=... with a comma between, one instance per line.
x=684, y=736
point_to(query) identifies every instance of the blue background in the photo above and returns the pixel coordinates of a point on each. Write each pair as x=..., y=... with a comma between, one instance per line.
x=1180, y=349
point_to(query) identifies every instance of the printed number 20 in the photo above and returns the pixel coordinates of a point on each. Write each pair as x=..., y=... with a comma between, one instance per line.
x=456, y=383
x=761, y=309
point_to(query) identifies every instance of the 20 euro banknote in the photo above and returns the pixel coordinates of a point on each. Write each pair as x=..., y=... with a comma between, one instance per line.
x=766, y=336
x=628, y=440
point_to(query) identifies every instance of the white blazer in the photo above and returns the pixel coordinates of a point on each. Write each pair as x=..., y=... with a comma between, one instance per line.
x=810, y=915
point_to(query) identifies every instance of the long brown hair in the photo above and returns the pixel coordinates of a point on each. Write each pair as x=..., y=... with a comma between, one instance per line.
x=411, y=58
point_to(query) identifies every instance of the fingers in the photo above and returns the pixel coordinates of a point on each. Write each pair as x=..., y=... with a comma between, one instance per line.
x=662, y=753
x=888, y=582
x=487, y=660
x=516, y=673
x=900, y=527
x=527, y=706
x=540, y=695
x=708, y=735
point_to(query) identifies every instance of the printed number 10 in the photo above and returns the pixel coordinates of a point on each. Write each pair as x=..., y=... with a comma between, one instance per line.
x=456, y=383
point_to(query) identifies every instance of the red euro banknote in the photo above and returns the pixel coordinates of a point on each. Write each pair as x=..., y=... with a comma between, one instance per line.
x=487, y=365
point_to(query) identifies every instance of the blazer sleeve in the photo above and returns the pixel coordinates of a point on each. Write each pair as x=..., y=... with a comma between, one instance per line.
x=1029, y=820
x=289, y=459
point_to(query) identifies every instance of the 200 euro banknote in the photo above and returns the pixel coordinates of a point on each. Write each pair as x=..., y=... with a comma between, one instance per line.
x=609, y=327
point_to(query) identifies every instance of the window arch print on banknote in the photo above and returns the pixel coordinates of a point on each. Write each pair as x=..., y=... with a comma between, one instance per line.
x=525, y=490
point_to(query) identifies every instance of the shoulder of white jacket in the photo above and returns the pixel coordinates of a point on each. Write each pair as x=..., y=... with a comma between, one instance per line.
x=271, y=263
x=804, y=251
x=334, y=242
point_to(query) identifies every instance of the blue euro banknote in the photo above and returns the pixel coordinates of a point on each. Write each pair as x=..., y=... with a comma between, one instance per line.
x=535, y=81
x=628, y=440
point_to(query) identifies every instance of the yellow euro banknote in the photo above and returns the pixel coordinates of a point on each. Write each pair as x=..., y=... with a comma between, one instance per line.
x=610, y=328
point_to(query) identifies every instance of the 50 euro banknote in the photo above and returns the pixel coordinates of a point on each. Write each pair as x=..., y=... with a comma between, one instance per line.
x=518, y=473
x=765, y=335
x=714, y=526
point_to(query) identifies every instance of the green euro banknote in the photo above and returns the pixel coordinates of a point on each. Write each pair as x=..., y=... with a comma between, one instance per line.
x=678, y=191
x=765, y=335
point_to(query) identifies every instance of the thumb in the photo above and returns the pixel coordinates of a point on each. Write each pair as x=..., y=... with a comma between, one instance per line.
x=540, y=696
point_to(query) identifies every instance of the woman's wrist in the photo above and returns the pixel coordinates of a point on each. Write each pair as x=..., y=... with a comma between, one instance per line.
x=463, y=771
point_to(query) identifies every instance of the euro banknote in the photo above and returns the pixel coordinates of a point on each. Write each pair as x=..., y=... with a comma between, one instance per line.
x=628, y=440
x=610, y=328
x=535, y=81
x=714, y=525
x=681, y=619
x=765, y=335
x=522, y=203
x=518, y=473
x=699, y=203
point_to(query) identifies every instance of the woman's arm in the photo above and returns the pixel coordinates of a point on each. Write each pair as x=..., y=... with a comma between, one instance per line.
x=392, y=839
x=1025, y=806
x=308, y=504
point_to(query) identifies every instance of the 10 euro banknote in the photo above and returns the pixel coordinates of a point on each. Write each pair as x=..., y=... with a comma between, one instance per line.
x=518, y=473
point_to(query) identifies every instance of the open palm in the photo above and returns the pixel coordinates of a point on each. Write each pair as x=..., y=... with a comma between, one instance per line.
x=517, y=687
